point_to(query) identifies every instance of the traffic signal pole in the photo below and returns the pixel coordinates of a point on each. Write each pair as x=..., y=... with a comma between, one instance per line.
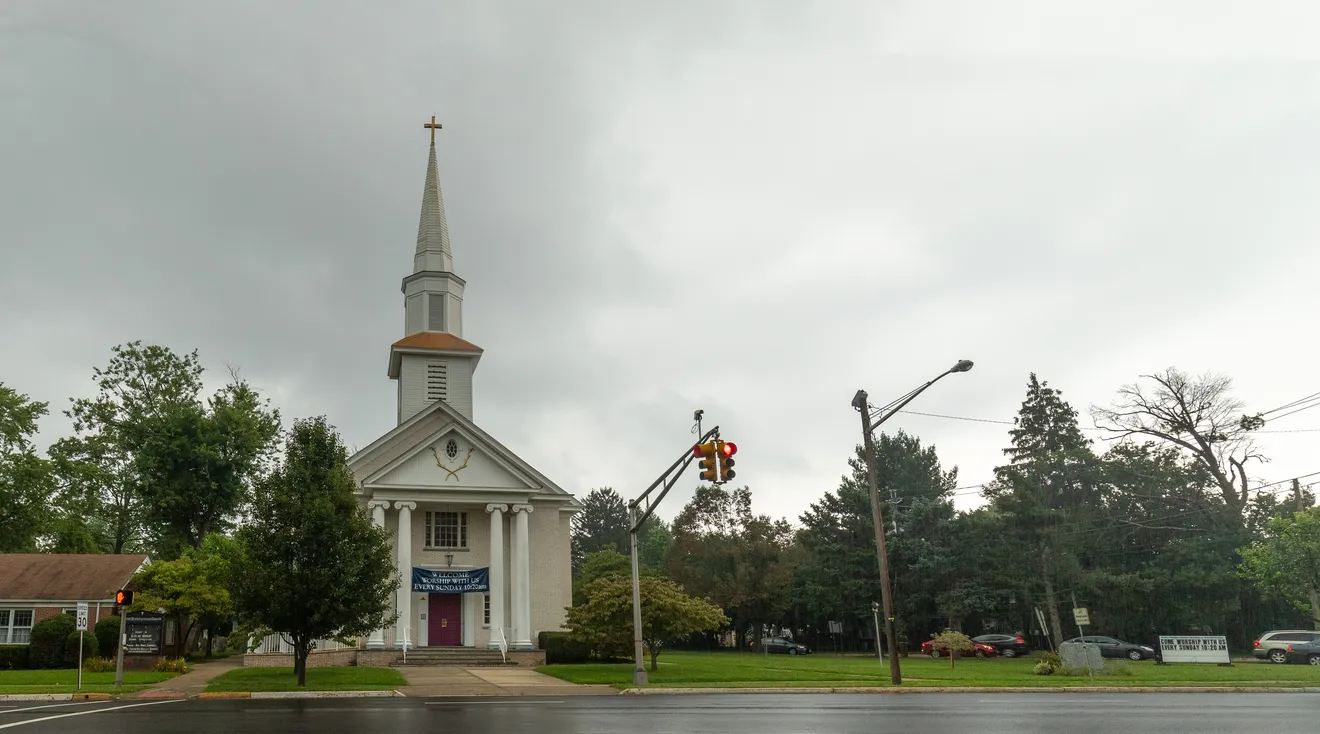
x=672, y=474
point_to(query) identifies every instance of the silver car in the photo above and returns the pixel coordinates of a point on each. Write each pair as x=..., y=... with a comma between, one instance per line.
x=1273, y=645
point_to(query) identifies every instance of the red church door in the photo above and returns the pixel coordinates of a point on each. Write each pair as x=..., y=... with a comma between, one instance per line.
x=444, y=620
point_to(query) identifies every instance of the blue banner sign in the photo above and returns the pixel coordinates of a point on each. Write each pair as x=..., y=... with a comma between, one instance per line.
x=450, y=582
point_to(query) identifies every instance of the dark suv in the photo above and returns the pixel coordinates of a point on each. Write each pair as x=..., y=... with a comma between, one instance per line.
x=1273, y=645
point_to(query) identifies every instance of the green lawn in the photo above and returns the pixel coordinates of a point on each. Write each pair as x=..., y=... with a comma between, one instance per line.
x=748, y=670
x=65, y=681
x=318, y=679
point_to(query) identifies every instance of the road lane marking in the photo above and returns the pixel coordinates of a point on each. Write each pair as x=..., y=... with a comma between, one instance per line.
x=51, y=706
x=84, y=713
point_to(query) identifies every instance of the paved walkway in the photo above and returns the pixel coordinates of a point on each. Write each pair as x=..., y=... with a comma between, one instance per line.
x=194, y=681
x=443, y=681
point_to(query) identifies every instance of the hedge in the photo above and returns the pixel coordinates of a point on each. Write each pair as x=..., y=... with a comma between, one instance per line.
x=13, y=657
x=560, y=647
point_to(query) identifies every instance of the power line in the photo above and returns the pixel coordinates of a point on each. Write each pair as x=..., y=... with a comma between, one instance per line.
x=1286, y=406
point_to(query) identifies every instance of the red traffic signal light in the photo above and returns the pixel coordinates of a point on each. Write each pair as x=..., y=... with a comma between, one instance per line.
x=726, y=450
x=123, y=598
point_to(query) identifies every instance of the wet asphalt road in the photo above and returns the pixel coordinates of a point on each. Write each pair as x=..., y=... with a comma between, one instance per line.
x=690, y=714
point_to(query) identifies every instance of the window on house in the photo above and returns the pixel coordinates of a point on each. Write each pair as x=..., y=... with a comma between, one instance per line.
x=446, y=530
x=435, y=312
x=437, y=380
x=485, y=616
x=15, y=626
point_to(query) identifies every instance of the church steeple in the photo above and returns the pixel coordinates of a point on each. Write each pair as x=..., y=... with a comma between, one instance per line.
x=433, y=251
x=433, y=361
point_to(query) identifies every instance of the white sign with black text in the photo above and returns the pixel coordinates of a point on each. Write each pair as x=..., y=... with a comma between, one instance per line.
x=1193, y=649
x=82, y=616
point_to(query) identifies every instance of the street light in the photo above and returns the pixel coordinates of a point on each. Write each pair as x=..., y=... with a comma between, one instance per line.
x=870, y=421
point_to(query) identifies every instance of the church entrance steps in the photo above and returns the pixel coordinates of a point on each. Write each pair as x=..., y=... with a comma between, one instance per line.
x=458, y=657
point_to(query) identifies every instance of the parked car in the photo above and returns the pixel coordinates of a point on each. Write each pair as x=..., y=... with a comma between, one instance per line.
x=1273, y=645
x=783, y=645
x=980, y=649
x=1114, y=648
x=1010, y=646
x=1304, y=652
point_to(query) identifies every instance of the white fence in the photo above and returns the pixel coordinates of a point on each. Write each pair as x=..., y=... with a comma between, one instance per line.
x=277, y=644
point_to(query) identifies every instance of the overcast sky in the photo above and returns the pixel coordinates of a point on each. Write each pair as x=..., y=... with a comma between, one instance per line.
x=859, y=194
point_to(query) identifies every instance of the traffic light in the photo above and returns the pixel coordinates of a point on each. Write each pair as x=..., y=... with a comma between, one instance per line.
x=726, y=450
x=123, y=598
x=708, y=464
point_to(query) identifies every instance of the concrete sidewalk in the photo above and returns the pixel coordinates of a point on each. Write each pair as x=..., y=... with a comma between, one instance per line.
x=193, y=682
x=442, y=681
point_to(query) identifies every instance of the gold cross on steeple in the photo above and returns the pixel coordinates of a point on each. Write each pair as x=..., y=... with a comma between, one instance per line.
x=433, y=125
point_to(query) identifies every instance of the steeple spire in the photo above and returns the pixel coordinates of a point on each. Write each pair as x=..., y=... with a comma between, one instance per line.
x=433, y=253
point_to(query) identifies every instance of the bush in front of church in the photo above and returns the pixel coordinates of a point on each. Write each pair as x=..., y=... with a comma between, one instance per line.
x=71, y=646
x=560, y=647
x=46, y=643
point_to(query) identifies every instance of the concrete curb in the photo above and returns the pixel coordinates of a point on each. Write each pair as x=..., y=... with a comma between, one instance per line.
x=325, y=694
x=978, y=689
x=56, y=696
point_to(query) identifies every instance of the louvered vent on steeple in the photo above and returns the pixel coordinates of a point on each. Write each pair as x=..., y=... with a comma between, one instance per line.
x=437, y=381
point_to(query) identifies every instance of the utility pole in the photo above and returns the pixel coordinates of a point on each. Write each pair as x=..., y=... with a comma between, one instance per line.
x=869, y=423
x=878, y=521
x=1297, y=493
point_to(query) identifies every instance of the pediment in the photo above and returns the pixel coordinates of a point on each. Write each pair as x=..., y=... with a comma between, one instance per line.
x=417, y=456
x=450, y=459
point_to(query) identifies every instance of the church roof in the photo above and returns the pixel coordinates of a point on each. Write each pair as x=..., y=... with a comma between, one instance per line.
x=437, y=340
x=433, y=228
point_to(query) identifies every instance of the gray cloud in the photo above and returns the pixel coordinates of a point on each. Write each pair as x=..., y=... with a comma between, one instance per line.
x=862, y=192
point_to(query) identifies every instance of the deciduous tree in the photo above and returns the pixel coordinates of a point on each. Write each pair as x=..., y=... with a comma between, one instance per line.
x=1287, y=561
x=25, y=478
x=1198, y=415
x=605, y=621
x=310, y=563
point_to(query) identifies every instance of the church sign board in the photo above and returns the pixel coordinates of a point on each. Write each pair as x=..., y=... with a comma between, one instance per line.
x=144, y=633
x=1193, y=649
x=450, y=582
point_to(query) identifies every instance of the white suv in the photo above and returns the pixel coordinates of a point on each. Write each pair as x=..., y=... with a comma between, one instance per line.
x=1273, y=645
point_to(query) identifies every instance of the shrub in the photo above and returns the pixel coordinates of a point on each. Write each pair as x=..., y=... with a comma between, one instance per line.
x=560, y=647
x=99, y=665
x=107, y=636
x=46, y=648
x=1043, y=668
x=13, y=657
x=171, y=665
x=89, y=648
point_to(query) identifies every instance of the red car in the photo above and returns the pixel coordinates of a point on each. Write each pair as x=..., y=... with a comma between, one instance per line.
x=981, y=650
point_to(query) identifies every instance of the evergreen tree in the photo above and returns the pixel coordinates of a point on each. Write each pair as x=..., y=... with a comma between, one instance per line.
x=1044, y=488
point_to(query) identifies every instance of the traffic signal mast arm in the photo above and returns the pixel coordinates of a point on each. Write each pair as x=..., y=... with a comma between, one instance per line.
x=676, y=469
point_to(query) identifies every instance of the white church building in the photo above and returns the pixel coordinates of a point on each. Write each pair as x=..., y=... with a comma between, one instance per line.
x=482, y=537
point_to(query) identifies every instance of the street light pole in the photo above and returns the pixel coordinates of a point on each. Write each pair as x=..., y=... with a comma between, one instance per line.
x=869, y=424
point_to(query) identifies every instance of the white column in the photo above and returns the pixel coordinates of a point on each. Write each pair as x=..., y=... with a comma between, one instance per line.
x=522, y=583
x=403, y=628
x=496, y=574
x=377, y=640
